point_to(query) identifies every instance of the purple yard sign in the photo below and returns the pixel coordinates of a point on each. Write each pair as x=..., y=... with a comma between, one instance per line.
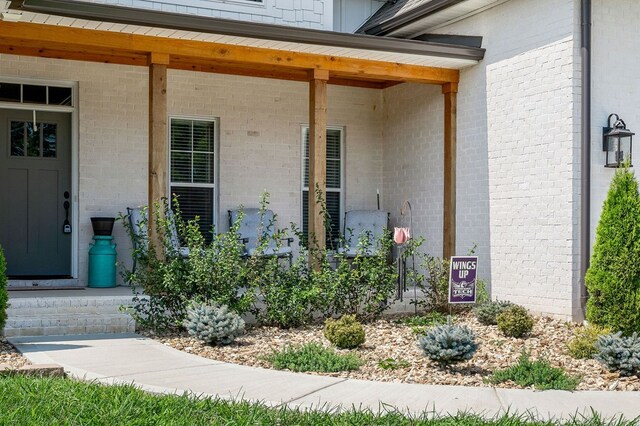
x=463, y=275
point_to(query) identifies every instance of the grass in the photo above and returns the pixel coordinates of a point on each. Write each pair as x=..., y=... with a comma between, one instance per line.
x=538, y=373
x=54, y=401
x=420, y=323
x=393, y=364
x=313, y=357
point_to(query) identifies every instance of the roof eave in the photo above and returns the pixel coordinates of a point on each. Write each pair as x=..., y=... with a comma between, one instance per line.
x=160, y=19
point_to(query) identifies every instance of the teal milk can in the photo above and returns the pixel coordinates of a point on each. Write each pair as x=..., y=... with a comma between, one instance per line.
x=102, y=262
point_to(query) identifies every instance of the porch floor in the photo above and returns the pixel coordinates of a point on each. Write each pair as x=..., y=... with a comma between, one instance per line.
x=79, y=292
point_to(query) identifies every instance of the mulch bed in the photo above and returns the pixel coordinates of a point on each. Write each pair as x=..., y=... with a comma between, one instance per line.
x=386, y=338
x=10, y=356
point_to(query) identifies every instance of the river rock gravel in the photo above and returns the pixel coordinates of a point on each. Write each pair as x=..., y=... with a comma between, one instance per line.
x=387, y=339
x=10, y=356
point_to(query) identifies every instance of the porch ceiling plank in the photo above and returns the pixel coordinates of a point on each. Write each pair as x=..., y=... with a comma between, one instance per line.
x=42, y=34
x=450, y=92
x=317, y=160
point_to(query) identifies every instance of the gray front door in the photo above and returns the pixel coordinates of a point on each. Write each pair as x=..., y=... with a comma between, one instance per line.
x=35, y=182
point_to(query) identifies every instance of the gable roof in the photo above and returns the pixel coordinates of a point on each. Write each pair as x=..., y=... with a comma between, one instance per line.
x=396, y=13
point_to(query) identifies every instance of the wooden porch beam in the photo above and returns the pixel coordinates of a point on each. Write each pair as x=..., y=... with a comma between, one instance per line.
x=74, y=39
x=157, y=143
x=450, y=92
x=317, y=160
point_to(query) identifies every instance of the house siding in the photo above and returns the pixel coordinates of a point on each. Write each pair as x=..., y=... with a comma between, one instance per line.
x=517, y=159
x=317, y=14
x=260, y=140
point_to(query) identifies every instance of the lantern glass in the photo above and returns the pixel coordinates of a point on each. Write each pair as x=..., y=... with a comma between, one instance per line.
x=618, y=145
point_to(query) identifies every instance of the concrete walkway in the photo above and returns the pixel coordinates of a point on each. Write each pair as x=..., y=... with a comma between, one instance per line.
x=130, y=358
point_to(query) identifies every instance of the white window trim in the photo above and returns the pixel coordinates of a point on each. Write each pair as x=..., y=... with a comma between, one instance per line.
x=216, y=162
x=343, y=181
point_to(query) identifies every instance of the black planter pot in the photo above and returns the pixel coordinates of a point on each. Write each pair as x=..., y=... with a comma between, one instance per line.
x=102, y=226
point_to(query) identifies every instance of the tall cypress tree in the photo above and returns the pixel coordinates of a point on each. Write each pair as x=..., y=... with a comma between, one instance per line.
x=613, y=279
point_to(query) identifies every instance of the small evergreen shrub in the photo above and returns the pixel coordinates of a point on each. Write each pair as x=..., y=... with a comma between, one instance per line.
x=345, y=333
x=448, y=344
x=584, y=342
x=620, y=353
x=313, y=357
x=213, y=324
x=486, y=313
x=4, y=297
x=393, y=364
x=539, y=374
x=613, y=279
x=514, y=321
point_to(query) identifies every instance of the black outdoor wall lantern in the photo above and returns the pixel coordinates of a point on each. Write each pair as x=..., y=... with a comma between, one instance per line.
x=617, y=141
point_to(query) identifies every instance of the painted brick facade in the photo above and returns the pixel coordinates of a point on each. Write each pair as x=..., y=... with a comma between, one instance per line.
x=518, y=163
x=317, y=14
x=260, y=138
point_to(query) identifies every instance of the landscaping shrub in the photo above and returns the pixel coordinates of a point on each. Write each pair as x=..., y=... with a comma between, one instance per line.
x=344, y=333
x=584, y=342
x=619, y=353
x=393, y=364
x=486, y=313
x=313, y=357
x=613, y=278
x=213, y=324
x=539, y=374
x=514, y=321
x=4, y=297
x=448, y=344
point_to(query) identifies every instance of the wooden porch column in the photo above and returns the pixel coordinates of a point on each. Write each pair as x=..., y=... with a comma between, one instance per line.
x=317, y=157
x=450, y=91
x=157, y=138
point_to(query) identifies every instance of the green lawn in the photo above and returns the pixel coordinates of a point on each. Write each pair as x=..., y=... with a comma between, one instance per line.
x=28, y=401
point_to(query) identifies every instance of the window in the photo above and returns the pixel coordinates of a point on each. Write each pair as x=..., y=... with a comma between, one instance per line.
x=335, y=181
x=29, y=141
x=35, y=94
x=193, y=156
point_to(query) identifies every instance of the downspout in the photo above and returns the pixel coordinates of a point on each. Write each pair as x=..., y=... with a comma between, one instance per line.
x=585, y=166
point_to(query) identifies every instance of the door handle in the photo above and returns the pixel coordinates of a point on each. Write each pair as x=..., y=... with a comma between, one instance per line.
x=66, y=226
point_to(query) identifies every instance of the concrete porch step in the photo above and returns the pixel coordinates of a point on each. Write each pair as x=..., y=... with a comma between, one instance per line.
x=66, y=312
x=64, y=324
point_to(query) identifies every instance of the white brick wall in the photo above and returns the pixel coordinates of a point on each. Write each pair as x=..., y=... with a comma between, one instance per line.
x=317, y=14
x=517, y=158
x=260, y=138
x=615, y=87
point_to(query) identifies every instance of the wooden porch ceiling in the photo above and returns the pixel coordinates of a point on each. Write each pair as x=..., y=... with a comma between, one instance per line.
x=53, y=41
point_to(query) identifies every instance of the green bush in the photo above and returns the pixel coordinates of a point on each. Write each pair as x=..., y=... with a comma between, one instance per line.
x=613, y=279
x=213, y=324
x=393, y=364
x=4, y=297
x=514, y=321
x=584, y=342
x=344, y=333
x=620, y=353
x=313, y=357
x=487, y=313
x=539, y=374
x=448, y=344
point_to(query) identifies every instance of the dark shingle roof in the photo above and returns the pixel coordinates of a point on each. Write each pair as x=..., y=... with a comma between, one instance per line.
x=400, y=12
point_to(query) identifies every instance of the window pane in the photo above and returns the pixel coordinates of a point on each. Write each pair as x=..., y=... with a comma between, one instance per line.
x=180, y=166
x=333, y=143
x=196, y=203
x=34, y=94
x=181, y=135
x=33, y=141
x=202, y=168
x=203, y=136
x=59, y=95
x=49, y=140
x=333, y=208
x=333, y=173
x=9, y=92
x=17, y=138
